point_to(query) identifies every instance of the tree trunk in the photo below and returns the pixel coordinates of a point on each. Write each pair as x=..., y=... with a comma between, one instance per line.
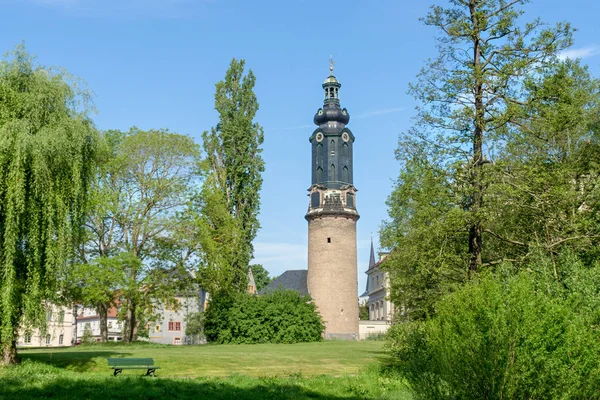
x=477, y=186
x=9, y=353
x=130, y=322
x=102, y=310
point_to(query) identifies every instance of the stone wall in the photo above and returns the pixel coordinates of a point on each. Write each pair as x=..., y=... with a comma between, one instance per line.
x=332, y=274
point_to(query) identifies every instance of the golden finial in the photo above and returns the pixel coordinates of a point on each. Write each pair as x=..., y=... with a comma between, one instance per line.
x=331, y=64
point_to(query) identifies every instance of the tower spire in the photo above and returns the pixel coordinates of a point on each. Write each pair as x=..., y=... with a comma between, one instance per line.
x=372, y=256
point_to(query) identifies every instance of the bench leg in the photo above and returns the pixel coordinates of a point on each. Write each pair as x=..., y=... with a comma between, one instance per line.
x=150, y=372
x=117, y=371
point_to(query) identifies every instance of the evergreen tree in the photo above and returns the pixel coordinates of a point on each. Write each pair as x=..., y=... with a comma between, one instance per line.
x=48, y=147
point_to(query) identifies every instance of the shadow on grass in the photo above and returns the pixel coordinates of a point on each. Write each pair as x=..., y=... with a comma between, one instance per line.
x=157, y=388
x=80, y=361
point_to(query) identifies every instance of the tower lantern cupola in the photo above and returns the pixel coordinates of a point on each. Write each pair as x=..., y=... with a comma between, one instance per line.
x=332, y=88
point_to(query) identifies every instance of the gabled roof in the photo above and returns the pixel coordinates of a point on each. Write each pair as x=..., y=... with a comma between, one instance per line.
x=290, y=280
x=251, y=281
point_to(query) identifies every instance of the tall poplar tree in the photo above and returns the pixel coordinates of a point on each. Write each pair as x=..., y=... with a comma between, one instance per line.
x=229, y=202
x=47, y=153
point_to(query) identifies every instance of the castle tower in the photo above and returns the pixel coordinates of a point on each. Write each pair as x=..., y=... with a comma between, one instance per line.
x=332, y=266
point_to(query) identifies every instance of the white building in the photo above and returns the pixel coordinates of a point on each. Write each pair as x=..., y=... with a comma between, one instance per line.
x=89, y=318
x=170, y=327
x=380, y=307
x=59, y=330
x=376, y=295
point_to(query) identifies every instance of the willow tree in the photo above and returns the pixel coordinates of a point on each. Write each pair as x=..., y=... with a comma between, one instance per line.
x=47, y=151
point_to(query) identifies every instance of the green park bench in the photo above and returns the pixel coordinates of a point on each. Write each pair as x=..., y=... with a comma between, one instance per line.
x=119, y=364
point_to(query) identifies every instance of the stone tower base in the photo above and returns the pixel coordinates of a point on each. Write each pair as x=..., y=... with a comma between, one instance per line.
x=332, y=273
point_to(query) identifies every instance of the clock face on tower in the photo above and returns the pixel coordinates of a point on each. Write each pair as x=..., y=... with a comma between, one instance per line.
x=345, y=136
x=319, y=137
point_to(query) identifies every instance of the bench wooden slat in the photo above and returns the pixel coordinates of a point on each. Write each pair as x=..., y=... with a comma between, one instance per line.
x=119, y=364
x=130, y=361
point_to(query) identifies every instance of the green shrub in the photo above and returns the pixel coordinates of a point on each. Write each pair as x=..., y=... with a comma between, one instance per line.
x=283, y=316
x=527, y=336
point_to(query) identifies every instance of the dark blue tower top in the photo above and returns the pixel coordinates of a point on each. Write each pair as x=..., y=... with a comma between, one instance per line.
x=332, y=142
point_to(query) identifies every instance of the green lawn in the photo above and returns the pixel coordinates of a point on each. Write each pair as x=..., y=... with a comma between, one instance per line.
x=326, y=370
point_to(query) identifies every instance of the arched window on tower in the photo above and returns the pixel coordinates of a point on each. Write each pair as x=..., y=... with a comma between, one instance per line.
x=345, y=176
x=332, y=147
x=319, y=153
x=332, y=173
x=319, y=174
x=345, y=149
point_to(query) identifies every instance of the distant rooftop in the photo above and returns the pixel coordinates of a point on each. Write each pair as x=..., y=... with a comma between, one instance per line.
x=290, y=280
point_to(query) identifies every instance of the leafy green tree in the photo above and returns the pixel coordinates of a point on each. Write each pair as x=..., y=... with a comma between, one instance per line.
x=363, y=310
x=261, y=276
x=229, y=201
x=194, y=324
x=48, y=147
x=138, y=223
x=544, y=186
x=469, y=93
x=474, y=101
x=95, y=284
x=88, y=336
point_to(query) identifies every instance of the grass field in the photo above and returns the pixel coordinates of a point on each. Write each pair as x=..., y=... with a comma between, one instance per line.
x=326, y=370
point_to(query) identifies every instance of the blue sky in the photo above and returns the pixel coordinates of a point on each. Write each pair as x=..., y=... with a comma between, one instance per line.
x=154, y=63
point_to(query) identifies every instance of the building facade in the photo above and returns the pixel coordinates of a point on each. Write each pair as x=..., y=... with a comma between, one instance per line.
x=88, y=319
x=332, y=277
x=380, y=307
x=170, y=328
x=59, y=330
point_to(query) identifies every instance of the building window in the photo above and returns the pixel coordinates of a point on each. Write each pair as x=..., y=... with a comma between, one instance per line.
x=328, y=240
x=319, y=174
x=157, y=328
x=177, y=340
x=48, y=315
x=345, y=175
x=332, y=173
x=27, y=338
x=174, y=326
x=61, y=316
x=315, y=199
x=349, y=199
x=61, y=339
x=48, y=339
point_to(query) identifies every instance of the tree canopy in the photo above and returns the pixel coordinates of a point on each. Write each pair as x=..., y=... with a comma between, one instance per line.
x=48, y=147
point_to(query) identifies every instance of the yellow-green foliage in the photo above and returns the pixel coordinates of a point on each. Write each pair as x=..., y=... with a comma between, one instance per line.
x=527, y=336
x=283, y=316
x=47, y=151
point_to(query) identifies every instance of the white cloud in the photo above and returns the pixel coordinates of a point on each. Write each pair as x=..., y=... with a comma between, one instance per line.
x=382, y=111
x=582, y=52
x=278, y=257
